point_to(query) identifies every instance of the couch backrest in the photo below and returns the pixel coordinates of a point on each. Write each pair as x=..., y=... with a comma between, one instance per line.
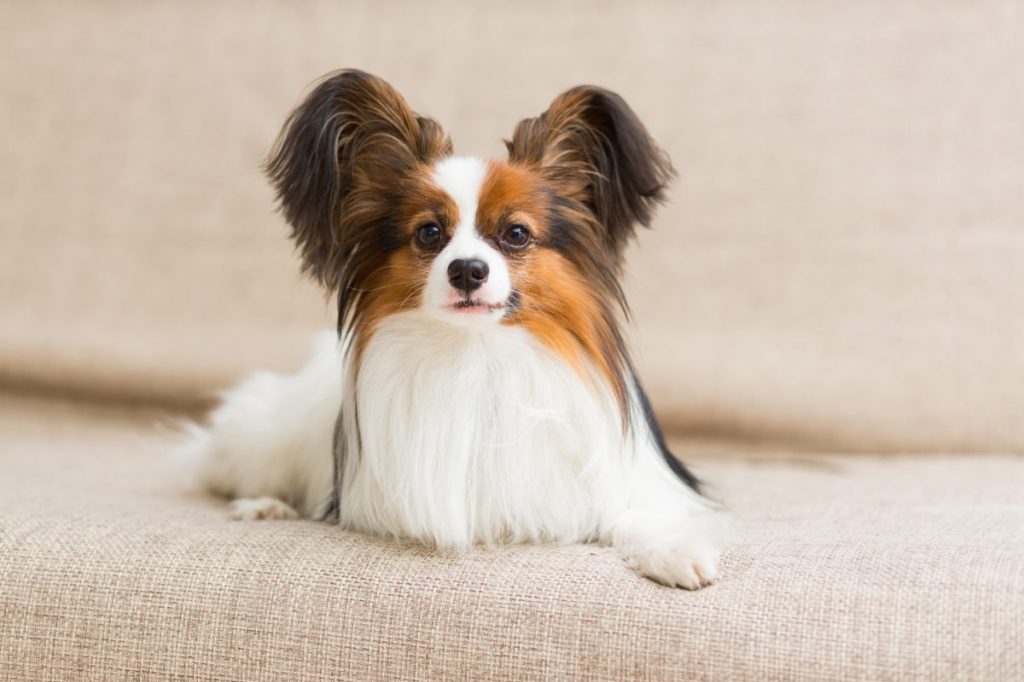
x=840, y=266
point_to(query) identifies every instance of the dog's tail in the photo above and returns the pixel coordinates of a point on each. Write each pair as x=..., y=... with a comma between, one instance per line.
x=271, y=435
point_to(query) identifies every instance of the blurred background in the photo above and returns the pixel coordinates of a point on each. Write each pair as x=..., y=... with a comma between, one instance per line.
x=839, y=268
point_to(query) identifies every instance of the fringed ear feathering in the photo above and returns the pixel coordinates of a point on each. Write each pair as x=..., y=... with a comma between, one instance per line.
x=341, y=159
x=591, y=145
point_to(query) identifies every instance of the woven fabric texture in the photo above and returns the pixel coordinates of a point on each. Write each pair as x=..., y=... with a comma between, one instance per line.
x=838, y=270
x=839, y=568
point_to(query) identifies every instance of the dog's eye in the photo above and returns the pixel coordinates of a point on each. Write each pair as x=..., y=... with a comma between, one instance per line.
x=428, y=235
x=516, y=237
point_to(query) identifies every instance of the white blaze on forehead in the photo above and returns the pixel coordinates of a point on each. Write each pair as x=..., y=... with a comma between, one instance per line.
x=461, y=178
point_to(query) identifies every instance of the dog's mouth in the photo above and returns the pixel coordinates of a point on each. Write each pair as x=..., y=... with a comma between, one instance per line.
x=474, y=305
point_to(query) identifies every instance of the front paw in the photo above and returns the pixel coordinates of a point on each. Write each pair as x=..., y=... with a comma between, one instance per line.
x=673, y=555
x=260, y=509
x=690, y=568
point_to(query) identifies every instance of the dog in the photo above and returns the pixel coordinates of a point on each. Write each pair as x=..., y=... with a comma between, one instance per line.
x=479, y=389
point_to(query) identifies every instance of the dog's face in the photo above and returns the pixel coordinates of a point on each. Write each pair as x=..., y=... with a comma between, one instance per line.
x=390, y=221
x=477, y=245
x=461, y=248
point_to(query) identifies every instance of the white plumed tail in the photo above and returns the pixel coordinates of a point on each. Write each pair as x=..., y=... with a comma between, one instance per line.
x=272, y=435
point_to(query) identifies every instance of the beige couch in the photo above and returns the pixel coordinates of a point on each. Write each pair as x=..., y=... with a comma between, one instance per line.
x=830, y=317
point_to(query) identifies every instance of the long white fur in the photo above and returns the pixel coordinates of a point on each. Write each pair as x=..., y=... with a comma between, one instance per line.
x=459, y=434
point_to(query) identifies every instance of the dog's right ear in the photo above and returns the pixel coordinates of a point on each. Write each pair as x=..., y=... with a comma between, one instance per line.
x=592, y=146
x=337, y=164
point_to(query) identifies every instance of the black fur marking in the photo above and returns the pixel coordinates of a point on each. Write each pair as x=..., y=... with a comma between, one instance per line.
x=634, y=169
x=331, y=510
x=515, y=299
x=677, y=467
x=576, y=243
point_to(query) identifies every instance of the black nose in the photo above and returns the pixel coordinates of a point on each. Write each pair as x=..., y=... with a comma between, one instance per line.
x=467, y=275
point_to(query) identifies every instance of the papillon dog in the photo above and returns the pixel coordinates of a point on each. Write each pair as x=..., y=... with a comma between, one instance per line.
x=478, y=389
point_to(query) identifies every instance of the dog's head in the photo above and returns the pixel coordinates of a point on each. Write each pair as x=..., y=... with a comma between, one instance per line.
x=390, y=221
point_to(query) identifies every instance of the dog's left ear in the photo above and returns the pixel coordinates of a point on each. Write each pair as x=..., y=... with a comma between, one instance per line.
x=592, y=146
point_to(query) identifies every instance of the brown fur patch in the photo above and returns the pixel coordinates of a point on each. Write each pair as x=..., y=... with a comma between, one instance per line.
x=603, y=176
x=512, y=194
x=397, y=285
x=561, y=303
x=347, y=159
x=558, y=307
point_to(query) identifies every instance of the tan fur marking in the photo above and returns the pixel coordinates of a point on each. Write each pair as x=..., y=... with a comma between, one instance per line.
x=397, y=285
x=557, y=303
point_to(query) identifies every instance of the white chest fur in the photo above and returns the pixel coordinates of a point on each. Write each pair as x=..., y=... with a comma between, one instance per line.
x=465, y=435
x=477, y=435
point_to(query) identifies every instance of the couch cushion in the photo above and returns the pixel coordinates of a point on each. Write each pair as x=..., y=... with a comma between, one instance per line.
x=839, y=568
x=837, y=267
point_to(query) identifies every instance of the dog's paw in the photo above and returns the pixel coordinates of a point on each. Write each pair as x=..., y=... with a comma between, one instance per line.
x=691, y=567
x=681, y=555
x=261, y=509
